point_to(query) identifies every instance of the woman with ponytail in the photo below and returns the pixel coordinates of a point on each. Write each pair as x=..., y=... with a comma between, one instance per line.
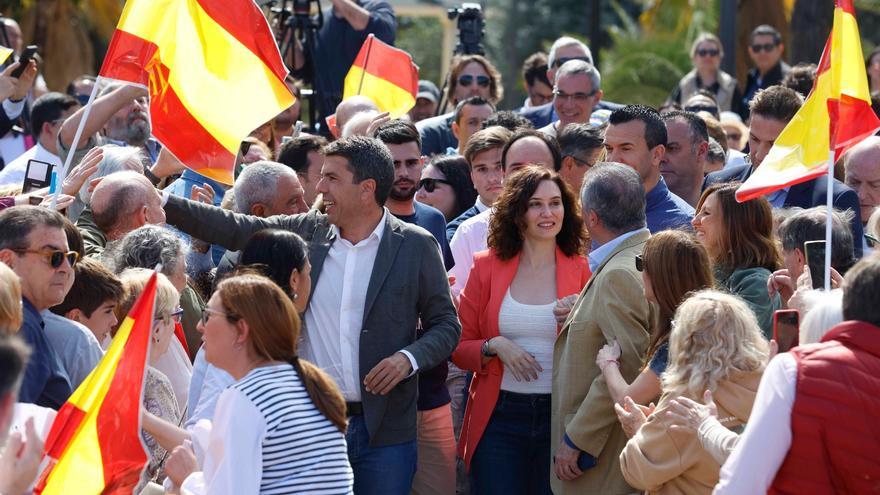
x=280, y=427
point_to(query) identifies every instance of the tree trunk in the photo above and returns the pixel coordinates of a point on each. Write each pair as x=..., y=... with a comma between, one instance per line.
x=810, y=24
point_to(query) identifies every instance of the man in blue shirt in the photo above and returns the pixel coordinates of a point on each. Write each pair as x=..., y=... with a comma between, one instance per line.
x=636, y=136
x=33, y=244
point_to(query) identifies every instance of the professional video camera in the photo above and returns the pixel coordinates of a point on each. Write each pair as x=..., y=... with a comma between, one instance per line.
x=470, y=28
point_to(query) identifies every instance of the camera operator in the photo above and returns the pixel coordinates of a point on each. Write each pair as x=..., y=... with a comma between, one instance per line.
x=337, y=42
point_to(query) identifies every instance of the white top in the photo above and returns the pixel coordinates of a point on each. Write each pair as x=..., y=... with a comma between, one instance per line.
x=175, y=365
x=533, y=328
x=469, y=239
x=752, y=466
x=13, y=173
x=205, y=387
x=268, y=437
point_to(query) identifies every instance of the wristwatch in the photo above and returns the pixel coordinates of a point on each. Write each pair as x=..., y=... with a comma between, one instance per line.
x=485, y=349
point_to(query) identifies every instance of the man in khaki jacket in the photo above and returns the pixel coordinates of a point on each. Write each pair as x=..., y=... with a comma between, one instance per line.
x=586, y=436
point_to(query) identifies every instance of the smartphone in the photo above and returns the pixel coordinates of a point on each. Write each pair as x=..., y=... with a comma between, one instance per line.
x=26, y=56
x=786, y=325
x=37, y=176
x=815, y=253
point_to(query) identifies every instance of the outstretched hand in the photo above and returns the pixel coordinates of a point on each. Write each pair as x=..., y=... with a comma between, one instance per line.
x=686, y=414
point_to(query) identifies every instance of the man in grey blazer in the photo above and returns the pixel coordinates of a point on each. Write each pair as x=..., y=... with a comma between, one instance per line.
x=373, y=279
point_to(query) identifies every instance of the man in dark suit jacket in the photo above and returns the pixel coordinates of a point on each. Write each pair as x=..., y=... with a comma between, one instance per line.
x=374, y=279
x=771, y=110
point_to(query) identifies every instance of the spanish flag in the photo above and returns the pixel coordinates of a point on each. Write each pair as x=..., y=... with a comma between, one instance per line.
x=386, y=75
x=835, y=117
x=213, y=71
x=94, y=446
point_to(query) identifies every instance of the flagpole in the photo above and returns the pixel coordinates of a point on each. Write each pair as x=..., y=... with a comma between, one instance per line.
x=366, y=61
x=75, y=143
x=829, y=195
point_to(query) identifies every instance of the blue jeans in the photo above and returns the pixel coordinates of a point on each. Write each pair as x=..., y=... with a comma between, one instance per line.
x=387, y=470
x=513, y=455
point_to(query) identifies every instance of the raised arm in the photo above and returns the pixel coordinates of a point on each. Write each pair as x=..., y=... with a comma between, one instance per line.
x=103, y=109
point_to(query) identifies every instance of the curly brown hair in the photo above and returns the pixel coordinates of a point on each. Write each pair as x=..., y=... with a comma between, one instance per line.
x=507, y=223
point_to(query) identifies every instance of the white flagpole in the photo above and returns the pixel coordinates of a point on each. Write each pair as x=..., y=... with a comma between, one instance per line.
x=75, y=143
x=829, y=205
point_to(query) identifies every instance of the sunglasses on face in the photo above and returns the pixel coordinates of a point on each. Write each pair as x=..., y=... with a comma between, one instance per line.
x=467, y=80
x=559, y=62
x=430, y=184
x=640, y=263
x=702, y=108
x=767, y=47
x=82, y=99
x=54, y=257
x=708, y=52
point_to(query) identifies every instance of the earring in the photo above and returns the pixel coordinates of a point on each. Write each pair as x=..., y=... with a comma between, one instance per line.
x=295, y=295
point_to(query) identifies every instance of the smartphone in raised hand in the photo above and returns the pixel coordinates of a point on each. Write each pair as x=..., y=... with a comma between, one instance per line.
x=786, y=327
x=26, y=56
x=815, y=253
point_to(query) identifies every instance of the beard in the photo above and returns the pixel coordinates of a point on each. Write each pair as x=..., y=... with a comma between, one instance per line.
x=137, y=131
x=398, y=193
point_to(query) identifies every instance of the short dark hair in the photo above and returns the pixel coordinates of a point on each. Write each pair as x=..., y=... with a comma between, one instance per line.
x=506, y=226
x=457, y=172
x=275, y=254
x=93, y=285
x=697, y=128
x=14, y=354
x=776, y=102
x=655, y=129
x=295, y=152
x=367, y=158
x=74, y=238
x=861, y=299
x=800, y=78
x=398, y=132
x=49, y=108
x=18, y=222
x=809, y=225
x=604, y=185
x=548, y=140
x=534, y=69
x=476, y=101
x=509, y=120
x=766, y=30
x=485, y=139
x=577, y=140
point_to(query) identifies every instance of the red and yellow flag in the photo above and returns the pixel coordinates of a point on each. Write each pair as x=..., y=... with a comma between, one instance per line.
x=95, y=445
x=213, y=71
x=835, y=116
x=386, y=75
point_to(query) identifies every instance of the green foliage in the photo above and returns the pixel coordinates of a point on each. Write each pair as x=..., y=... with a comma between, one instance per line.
x=421, y=37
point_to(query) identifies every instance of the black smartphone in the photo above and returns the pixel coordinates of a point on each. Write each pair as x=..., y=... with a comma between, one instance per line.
x=815, y=253
x=37, y=176
x=26, y=56
x=786, y=326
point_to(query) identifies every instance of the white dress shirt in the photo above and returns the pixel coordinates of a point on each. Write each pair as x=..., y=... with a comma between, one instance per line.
x=469, y=239
x=752, y=466
x=13, y=173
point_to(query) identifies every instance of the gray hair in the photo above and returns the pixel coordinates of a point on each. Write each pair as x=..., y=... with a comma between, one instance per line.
x=148, y=246
x=116, y=159
x=564, y=42
x=809, y=225
x=575, y=67
x=258, y=183
x=824, y=310
x=615, y=192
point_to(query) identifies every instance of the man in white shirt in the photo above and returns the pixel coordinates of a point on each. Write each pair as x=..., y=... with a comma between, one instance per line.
x=47, y=114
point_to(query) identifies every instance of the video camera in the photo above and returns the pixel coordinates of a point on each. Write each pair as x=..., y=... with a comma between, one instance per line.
x=471, y=24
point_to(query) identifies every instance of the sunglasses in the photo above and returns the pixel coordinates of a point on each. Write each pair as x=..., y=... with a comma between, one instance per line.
x=54, y=257
x=767, y=47
x=82, y=99
x=430, y=184
x=702, y=108
x=562, y=60
x=640, y=263
x=708, y=52
x=467, y=80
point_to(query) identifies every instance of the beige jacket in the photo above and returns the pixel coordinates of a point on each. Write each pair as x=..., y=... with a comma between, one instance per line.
x=611, y=306
x=664, y=461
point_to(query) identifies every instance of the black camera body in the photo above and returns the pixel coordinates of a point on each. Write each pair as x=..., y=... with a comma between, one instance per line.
x=471, y=24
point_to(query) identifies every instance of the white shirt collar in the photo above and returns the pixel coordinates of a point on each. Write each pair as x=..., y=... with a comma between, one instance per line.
x=481, y=207
x=375, y=234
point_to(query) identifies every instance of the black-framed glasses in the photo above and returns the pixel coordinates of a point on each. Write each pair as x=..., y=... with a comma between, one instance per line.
x=702, y=108
x=429, y=184
x=578, y=97
x=467, y=80
x=582, y=162
x=767, y=47
x=55, y=257
x=640, y=263
x=175, y=316
x=708, y=52
x=559, y=62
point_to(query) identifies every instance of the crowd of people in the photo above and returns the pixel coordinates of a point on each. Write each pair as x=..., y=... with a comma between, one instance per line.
x=560, y=298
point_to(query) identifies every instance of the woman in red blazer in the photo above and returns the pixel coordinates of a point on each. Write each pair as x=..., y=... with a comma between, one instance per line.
x=536, y=244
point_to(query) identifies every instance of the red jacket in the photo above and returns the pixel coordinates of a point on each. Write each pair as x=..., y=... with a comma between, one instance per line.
x=835, y=419
x=478, y=311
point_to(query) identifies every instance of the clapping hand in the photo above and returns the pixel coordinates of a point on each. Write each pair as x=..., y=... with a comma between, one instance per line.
x=632, y=416
x=686, y=414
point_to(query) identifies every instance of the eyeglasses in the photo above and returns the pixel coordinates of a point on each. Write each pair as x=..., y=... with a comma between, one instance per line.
x=559, y=62
x=206, y=315
x=702, y=108
x=467, y=80
x=640, y=263
x=767, y=47
x=708, y=52
x=175, y=316
x=430, y=184
x=55, y=257
x=582, y=162
x=578, y=97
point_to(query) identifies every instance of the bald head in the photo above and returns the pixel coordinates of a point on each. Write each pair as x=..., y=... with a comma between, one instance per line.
x=862, y=174
x=358, y=124
x=124, y=201
x=351, y=106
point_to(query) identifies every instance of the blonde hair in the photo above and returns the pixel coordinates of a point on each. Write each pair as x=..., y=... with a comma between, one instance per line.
x=10, y=301
x=714, y=334
x=134, y=280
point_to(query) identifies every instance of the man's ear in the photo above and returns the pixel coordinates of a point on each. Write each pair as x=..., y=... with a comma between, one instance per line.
x=702, y=150
x=9, y=257
x=368, y=189
x=801, y=258
x=455, y=130
x=258, y=210
x=657, y=154
x=76, y=315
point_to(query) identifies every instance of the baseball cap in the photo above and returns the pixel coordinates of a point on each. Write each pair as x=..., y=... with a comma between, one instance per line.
x=428, y=90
